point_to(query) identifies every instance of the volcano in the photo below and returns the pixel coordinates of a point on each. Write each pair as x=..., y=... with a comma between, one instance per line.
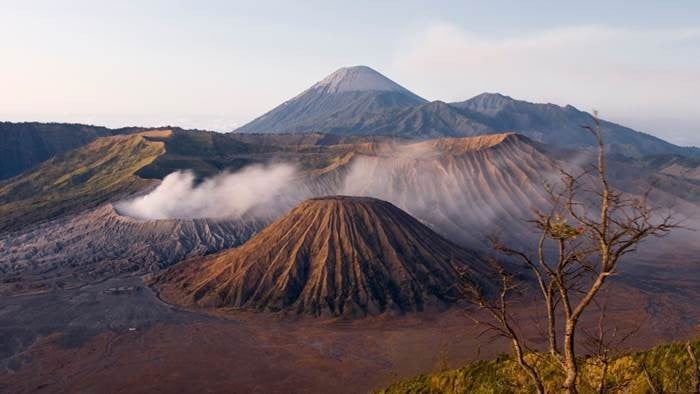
x=330, y=256
x=344, y=97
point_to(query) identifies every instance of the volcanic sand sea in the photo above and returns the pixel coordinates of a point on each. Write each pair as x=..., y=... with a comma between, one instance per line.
x=81, y=340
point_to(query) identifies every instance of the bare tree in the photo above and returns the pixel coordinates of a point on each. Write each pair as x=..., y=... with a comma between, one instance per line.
x=605, y=342
x=502, y=321
x=587, y=230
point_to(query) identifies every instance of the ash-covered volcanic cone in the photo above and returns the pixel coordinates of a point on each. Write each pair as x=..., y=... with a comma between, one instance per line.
x=333, y=256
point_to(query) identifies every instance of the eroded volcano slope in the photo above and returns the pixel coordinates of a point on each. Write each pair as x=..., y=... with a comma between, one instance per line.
x=335, y=255
x=100, y=244
x=464, y=188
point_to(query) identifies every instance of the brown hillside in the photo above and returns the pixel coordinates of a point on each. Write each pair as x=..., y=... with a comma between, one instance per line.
x=337, y=256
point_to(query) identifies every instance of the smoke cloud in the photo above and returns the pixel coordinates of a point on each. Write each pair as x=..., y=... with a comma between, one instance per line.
x=453, y=195
x=229, y=195
x=462, y=197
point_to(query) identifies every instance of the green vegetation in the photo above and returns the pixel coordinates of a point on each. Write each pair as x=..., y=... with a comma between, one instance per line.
x=79, y=179
x=668, y=368
x=27, y=144
x=205, y=153
x=115, y=166
x=208, y=153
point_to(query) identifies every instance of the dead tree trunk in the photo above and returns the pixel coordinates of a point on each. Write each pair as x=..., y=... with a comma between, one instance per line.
x=570, y=366
x=695, y=374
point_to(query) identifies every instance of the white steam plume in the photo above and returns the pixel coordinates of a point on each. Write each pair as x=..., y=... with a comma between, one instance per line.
x=228, y=195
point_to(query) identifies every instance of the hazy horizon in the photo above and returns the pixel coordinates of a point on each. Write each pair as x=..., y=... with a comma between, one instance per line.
x=219, y=65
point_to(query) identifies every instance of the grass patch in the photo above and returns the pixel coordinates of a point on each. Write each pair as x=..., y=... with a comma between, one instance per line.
x=79, y=179
x=669, y=367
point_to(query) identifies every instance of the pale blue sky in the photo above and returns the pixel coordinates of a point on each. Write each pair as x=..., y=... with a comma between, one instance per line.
x=219, y=64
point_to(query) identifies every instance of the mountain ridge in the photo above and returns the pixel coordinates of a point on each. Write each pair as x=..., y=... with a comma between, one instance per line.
x=327, y=107
x=79, y=179
x=562, y=126
x=27, y=144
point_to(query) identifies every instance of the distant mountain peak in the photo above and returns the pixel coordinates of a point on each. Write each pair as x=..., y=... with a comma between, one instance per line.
x=347, y=94
x=492, y=96
x=491, y=100
x=356, y=79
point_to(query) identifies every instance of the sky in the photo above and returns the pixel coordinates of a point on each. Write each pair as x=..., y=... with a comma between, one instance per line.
x=219, y=64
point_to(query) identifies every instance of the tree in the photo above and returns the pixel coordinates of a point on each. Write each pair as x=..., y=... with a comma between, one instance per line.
x=604, y=343
x=583, y=236
x=498, y=311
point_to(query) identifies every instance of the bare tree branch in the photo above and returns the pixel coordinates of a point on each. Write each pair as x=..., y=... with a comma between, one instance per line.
x=587, y=230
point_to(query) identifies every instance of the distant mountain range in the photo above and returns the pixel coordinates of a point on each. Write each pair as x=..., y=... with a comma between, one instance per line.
x=360, y=101
x=355, y=104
